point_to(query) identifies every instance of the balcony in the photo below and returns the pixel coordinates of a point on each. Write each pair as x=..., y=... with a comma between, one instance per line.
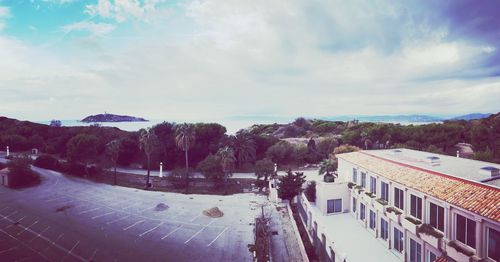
x=380, y=205
x=368, y=197
x=358, y=190
x=459, y=252
x=411, y=224
x=430, y=235
x=394, y=214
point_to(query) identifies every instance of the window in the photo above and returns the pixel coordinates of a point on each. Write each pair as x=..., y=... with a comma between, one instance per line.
x=466, y=231
x=384, y=192
x=354, y=204
x=436, y=216
x=398, y=240
x=384, y=229
x=416, y=206
x=493, y=244
x=362, y=214
x=373, y=220
x=415, y=251
x=363, y=180
x=399, y=198
x=431, y=257
x=354, y=175
x=373, y=185
x=334, y=206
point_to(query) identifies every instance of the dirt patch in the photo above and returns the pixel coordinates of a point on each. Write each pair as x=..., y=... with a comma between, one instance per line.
x=161, y=207
x=213, y=212
x=63, y=208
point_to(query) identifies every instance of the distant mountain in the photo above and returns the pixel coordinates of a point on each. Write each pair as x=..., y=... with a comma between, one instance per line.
x=472, y=116
x=112, y=118
x=388, y=118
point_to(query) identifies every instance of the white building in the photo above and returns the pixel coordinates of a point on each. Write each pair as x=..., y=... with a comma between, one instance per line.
x=406, y=205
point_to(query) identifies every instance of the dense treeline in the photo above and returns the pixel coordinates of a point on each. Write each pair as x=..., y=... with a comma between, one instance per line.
x=211, y=146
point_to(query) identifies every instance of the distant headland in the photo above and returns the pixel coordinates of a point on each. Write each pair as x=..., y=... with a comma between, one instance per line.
x=112, y=118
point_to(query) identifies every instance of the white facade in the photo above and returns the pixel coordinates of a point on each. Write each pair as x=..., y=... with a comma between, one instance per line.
x=398, y=235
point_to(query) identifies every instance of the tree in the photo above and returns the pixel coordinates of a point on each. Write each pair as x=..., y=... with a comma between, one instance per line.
x=185, y=139
x=129, y=147
x=82, y=148
x=211, y=169
x=290, y=185
x=20, y=172
x=148, y=142
x=264, y=168
x=227, y=161
x=112, y=152
x=244, y=147
x=326, y=146
x=310, y=191
x=55, y=123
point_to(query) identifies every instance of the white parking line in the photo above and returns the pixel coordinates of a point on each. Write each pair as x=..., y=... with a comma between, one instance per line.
x=125, y=208
x=93, y=255
x=54, y=199
x=15, y=222
x=116, y=220
x=3, y=209
x=27, y=228
x=199, y=231
x=54, y=242
x=105, y=214
x=220, y=234
x=10, y=214
x=133, y=225
x=39, y=234
x=9, y=249
x=89, y=210
x=71, y=250
x=145, y=232
x=195, y=218
x=171, y=232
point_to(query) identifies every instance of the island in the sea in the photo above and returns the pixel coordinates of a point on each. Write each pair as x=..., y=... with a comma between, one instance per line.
x=112, y=118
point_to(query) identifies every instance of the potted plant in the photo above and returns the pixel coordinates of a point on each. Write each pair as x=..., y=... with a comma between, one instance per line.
x=394, y=214
x=459, y=252
x=368, y=197
x=380, y=204
x=430, y=235
x=411, y=224
x=358, y=190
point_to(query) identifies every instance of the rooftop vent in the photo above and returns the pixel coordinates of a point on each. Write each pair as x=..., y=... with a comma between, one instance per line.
x=490, y=171
x=433, y=160
x=396, y=152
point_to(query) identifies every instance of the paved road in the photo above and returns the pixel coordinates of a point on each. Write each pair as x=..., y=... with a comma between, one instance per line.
x=70, y=219
x=157, y=173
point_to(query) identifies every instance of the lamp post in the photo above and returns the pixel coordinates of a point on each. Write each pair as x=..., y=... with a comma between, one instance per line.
x=8, y=152
x=161, y=169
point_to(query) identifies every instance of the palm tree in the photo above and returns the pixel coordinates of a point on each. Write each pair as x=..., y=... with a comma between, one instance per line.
x=244, y=147
x=185, y=139
x=327, y=166
x=148, y=142
x=112, y=151
x=227, y=161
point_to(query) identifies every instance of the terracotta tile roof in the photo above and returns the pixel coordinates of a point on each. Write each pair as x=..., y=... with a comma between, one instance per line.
x=441, y=259
x=478, y=198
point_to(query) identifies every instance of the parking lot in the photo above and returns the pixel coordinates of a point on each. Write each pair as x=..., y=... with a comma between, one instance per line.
x=70, y=219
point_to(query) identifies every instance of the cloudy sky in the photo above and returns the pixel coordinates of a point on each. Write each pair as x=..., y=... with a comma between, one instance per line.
x=212, y=59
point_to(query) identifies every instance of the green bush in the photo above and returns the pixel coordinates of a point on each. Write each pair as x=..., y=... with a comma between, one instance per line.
x=178, y=178
x=47, y=162
x=429, y=230
x=20, y=173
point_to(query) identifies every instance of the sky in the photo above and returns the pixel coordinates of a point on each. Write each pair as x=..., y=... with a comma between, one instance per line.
x=254, y=59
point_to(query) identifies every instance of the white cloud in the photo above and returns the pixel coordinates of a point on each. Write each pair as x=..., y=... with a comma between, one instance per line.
x=122, y=10
x=95, y=29
x=219, y=58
